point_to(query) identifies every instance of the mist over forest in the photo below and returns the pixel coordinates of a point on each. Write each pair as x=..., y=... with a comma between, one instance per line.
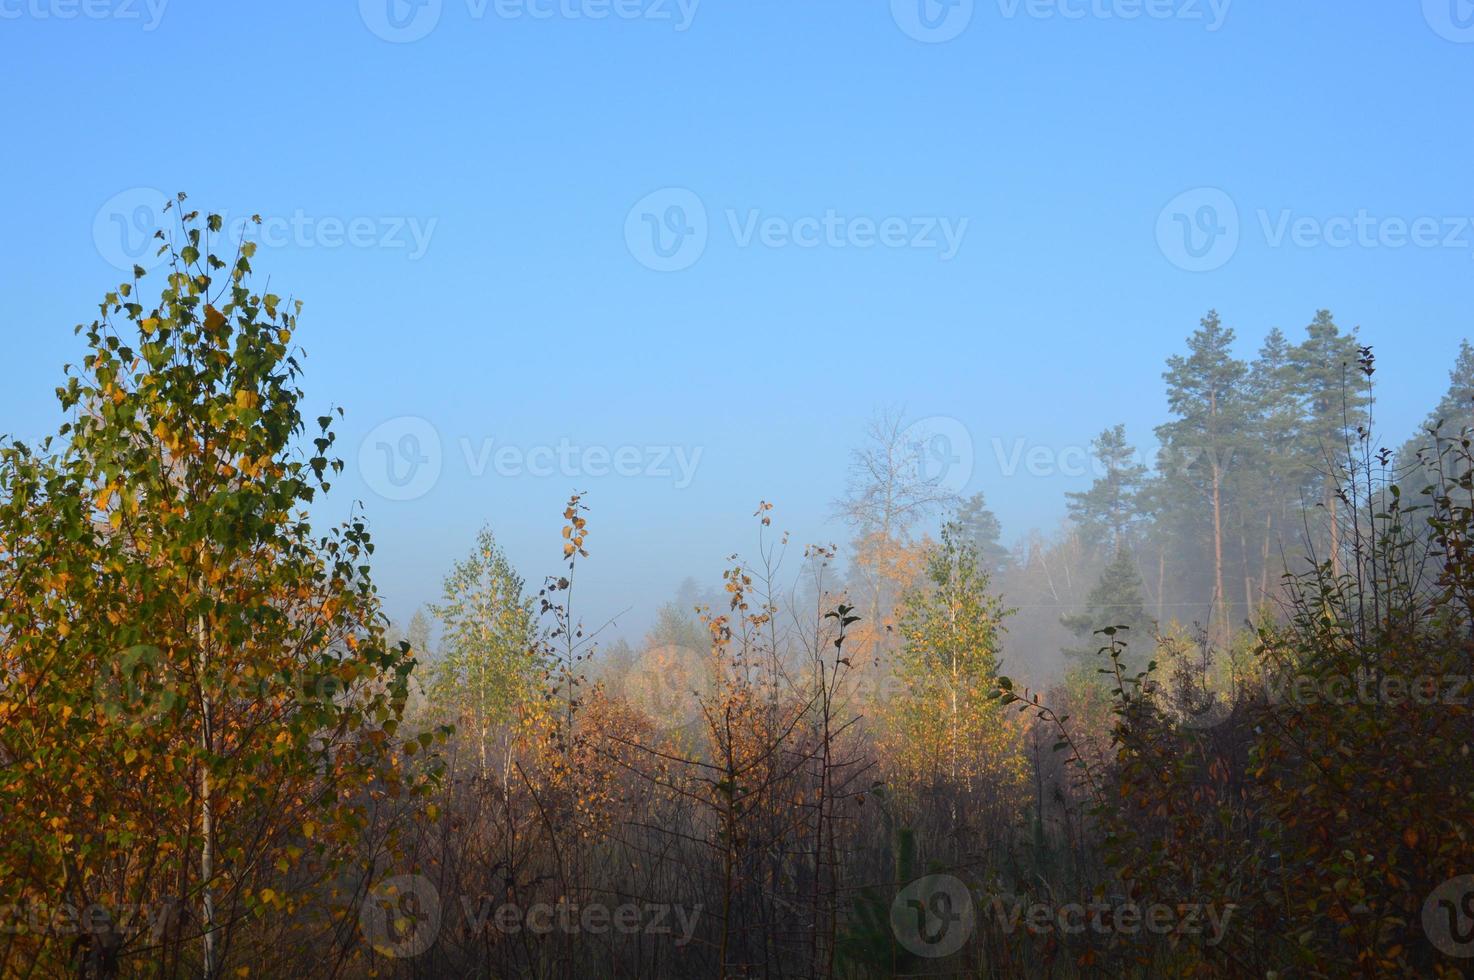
x=664, y=489
x=1144, y=544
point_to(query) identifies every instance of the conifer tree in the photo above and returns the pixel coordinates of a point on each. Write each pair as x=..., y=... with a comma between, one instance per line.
x=1450, y=417
x=1109, y=510
x=1116, y=600
x=1333, y=405
x=980, y=528
x=1271, y=488
x=1205, y=390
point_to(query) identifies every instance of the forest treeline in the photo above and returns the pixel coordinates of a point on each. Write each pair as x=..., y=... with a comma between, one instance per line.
x=218, y=758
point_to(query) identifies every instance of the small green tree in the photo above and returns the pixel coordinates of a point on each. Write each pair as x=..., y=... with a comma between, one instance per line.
x=198, y=707
x=944, y=725
x=488, y=665
x=418, y=633
x=1116, y=600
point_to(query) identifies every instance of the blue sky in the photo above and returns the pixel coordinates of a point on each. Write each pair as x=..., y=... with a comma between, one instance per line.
x=470, y=217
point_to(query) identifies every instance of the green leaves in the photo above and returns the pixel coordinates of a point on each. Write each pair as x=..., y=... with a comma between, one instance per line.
x=166, y=600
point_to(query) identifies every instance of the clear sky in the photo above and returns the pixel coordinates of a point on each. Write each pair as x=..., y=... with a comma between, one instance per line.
x=607, y=236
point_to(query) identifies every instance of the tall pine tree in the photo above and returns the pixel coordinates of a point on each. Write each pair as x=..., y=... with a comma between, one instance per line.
x=1273, y=486
x=1333, y=406
x=1205, y=390
x=1109, y=510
